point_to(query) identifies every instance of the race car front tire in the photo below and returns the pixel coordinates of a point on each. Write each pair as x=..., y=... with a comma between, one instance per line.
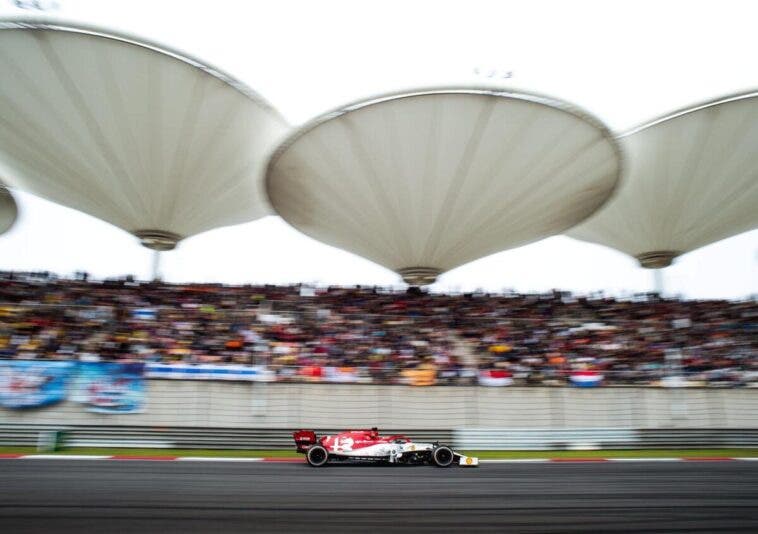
x=317, y=456
x=443, y=456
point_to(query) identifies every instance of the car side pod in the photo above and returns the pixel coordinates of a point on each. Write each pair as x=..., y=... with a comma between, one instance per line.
x=468, y=461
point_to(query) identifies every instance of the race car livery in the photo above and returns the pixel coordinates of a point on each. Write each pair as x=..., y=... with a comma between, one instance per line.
x=369, y=446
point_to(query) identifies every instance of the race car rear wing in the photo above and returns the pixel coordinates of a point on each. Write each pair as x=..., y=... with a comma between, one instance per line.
x=304, y=439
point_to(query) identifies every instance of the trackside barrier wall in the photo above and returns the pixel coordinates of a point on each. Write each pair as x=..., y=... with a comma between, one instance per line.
x=212, y=404
x=589, y=439
x=181, y=437
x=478, y=439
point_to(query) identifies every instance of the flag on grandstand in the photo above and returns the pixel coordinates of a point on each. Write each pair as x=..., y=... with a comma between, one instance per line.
x=311, y=373
x=341, y=374
x=495, y=377
x=586, y=379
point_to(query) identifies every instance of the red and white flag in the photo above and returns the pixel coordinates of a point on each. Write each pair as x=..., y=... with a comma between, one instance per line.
x=495, y=377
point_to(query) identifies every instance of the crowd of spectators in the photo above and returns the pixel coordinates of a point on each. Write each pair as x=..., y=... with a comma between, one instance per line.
x=382, y=336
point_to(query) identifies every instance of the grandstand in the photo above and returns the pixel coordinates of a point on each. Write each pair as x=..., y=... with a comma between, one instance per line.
x=369, y=335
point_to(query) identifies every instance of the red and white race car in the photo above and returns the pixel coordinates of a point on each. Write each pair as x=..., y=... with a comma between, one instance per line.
x=369, y=446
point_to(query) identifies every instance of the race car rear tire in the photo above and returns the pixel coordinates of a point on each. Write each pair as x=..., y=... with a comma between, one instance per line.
x=443, y=456
x=317, y=456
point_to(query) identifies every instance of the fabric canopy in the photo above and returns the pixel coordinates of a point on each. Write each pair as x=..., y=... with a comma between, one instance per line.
x=691, y=180
x=144, y=137
x=426, y=181
x=8, y=210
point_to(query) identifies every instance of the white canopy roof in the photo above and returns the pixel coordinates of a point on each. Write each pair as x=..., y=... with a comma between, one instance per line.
x=144, y=137
x=691, y=180
x=8, y=210
x=426, y=181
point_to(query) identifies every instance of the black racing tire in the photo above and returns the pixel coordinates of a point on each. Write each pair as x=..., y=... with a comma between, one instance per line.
x=317, y=456
x=443, y=456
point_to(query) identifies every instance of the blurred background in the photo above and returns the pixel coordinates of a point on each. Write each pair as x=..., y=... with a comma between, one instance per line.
x=205, y=132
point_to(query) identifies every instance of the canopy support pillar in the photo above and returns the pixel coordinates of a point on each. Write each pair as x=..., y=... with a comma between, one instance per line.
x=156, y=268
x=658, y=281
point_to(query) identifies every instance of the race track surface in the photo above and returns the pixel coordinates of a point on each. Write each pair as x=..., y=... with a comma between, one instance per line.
x=217, y=497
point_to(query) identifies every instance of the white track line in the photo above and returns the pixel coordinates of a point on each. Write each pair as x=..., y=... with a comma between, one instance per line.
x=514, y=461
x=645, y=459
x=216, y=459
x=65, y=457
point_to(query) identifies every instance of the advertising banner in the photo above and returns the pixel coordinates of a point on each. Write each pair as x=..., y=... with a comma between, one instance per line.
x=180, y=371
x=33, y=383
x=110, y=387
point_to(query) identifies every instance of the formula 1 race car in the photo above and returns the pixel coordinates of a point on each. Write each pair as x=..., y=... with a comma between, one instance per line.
x=369, y=446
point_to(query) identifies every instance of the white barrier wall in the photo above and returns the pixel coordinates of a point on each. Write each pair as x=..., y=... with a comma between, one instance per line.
x=223, y=404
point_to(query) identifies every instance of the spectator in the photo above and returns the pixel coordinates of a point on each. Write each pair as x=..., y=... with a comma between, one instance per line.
x=390, y=337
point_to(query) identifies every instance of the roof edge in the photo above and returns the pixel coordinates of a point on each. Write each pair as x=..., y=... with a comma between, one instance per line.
x=17, y=22
x=717, y=101
x=6, y=194
x=504, y=92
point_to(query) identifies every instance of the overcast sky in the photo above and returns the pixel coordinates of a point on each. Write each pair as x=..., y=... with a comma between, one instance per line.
x=624, y=61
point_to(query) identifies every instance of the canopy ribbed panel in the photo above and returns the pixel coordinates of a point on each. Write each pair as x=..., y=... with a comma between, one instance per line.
x=692, y=179
x=437, y=179
x=130, y=134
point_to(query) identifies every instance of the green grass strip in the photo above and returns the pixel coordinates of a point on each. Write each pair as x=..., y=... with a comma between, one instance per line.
x=220, y=453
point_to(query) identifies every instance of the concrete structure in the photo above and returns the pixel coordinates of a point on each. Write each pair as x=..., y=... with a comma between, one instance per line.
x=287, y=406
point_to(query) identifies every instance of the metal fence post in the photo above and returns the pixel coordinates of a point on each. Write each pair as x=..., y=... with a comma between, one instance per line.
x=50, y=440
